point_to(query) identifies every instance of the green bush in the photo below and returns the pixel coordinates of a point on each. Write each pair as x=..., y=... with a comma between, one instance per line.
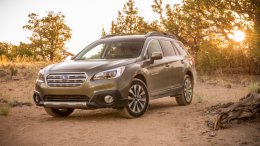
x=254, y=88
x=209, y=58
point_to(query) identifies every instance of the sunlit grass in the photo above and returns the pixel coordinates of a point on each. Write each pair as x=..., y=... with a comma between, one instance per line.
x=254, y=88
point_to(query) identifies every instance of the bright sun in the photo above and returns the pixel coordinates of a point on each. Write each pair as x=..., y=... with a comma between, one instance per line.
x=237, y=35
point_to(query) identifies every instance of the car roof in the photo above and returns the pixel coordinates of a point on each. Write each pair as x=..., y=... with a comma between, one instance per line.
x=158, y=35
x=123, y=38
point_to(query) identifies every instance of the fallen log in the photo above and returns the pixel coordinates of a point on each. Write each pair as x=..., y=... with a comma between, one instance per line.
x=224, y=114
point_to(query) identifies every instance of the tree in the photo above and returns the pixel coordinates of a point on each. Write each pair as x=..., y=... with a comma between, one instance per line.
x=198, y=23
x=205, y=27
x=129, y=22
x=25, y=51
x=49, y=35
x=8, y=50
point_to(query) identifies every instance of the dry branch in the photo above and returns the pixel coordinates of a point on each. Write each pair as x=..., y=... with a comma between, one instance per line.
x=247, y=107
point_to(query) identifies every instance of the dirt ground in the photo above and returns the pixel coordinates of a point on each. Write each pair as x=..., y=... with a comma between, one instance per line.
x=165, y=123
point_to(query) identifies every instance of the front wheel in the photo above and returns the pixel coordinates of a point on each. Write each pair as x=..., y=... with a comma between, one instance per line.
x=138, y=100
x=187, y=92
x=59, y=112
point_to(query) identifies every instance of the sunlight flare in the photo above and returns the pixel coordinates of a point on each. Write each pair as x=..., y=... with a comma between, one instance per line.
x=237, y=35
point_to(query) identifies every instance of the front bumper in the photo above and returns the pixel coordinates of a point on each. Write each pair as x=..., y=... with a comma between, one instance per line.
x=96, y=102
x=91, y=95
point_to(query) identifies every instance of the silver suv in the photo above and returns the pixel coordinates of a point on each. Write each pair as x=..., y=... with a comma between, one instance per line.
x=121, y=72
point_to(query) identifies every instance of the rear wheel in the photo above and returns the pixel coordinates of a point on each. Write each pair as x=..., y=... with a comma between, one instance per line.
x=187, y=92
x=138, y=100
x=59, y=112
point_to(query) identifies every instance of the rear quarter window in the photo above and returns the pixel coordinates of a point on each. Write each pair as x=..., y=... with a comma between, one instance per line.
x=168, y=48
x=180, y=47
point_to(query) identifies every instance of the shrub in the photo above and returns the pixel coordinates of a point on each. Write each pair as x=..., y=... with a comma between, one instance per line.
x=209, y=58
x=4, y=111
x=254, y=88
x=13, y=103
x=13, y=70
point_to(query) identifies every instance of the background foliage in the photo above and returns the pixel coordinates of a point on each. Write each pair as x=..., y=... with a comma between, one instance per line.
x=204, y=26
x=47, y=42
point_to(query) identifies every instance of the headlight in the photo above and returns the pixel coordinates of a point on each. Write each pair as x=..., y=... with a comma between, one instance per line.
x=109, y=74
x=41, y=76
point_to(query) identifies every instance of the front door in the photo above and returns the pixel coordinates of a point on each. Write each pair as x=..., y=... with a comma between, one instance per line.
x=158, y=71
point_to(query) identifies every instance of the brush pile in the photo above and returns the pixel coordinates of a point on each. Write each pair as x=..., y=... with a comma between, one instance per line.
x=224, y=114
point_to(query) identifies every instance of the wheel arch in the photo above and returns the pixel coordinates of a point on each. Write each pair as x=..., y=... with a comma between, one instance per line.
x=189, y=73
x=141, y=77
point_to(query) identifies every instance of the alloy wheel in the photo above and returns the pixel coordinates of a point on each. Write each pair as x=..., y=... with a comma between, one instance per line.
x=137, y=98
x=188, y=90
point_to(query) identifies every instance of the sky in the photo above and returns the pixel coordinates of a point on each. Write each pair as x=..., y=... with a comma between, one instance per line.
x=86, y=18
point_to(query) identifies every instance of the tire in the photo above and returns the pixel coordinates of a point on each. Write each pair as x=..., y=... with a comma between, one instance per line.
x=138, y=100
x=59, y=112
x=187, y=92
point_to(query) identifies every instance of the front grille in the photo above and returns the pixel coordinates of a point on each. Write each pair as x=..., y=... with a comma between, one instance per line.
x=66, y=79
x=66, y=98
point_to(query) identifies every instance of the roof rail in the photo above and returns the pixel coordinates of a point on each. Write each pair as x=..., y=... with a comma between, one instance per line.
x=156, y=33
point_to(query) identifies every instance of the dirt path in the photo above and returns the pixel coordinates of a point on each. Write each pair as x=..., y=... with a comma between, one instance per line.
x=164, y=123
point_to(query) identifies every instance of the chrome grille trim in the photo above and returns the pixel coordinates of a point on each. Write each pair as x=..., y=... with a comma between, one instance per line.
x=66, y=104
x=66, y=79
x=65, y=98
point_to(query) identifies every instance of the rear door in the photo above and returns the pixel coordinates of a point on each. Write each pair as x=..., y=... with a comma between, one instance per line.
x=183, y=54
x=174, y=60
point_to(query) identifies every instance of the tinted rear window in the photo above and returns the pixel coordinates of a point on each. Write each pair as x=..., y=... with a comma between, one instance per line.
x=168, y=48
x=180, y=47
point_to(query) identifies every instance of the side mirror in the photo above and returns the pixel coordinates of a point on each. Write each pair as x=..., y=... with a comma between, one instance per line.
x=156, y=55
x=73, y=57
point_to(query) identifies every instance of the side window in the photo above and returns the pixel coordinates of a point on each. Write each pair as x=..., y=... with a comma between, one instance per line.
x=181, y=48
x=168, y=48
x=175, y=49
x=154, y=46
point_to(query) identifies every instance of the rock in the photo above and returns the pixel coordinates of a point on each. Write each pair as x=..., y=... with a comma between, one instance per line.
x=228, y=86
x=204, y=132
x=210, y=123
x=212, y=134
x=15, y=78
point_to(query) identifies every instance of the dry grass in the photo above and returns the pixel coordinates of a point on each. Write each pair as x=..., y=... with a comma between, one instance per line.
x=20, y=71
x=229, y=79
x=254, y=88
x=4, y=111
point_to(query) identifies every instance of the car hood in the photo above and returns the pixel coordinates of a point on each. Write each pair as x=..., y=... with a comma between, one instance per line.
x=88, y=66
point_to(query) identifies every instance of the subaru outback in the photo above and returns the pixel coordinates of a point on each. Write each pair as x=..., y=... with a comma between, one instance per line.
x=123, y=72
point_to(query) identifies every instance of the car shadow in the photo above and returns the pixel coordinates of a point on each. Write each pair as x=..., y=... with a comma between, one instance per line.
x=161, y=104
x=156, y=106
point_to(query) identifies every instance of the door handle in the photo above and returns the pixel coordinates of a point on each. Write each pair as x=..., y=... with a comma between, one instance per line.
x=167, y=65
x=182, y=61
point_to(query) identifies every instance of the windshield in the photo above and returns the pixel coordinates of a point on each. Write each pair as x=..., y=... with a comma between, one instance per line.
x=112, y=50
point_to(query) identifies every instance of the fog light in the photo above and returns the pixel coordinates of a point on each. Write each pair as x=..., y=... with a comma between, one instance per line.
x=42, y=85
x=109, y=99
